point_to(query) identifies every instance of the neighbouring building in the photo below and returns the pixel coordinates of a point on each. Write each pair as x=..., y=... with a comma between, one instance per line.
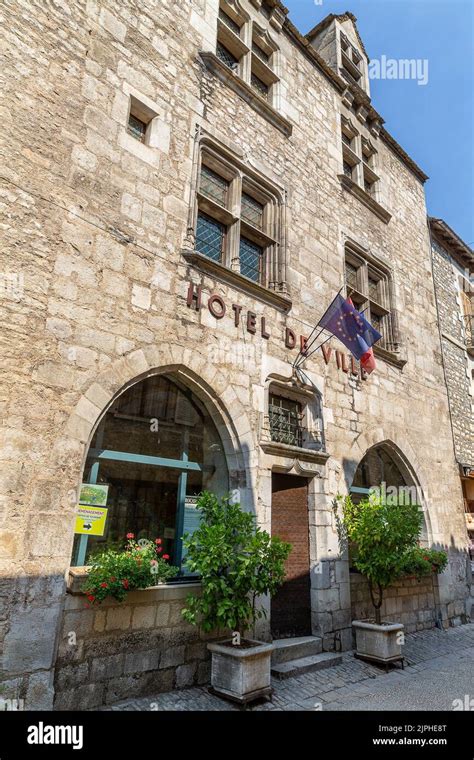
x=186, y=187
x=453, y=272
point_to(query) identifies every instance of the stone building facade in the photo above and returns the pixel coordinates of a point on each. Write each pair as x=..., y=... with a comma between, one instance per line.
x=453, y=270
x=186, y=187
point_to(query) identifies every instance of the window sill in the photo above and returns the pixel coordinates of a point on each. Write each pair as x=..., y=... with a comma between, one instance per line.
x=389, y=356
x=355, y=190
x=286, y=450
x=77, y=576
x=237, y=280
x=246, y=92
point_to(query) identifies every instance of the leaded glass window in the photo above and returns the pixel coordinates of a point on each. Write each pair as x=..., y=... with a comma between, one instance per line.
x=347, y=168
x=228, y=21
x=252, y=211
x=262, y=88
x=226, y=57
x=250, y=256
x=260, y=53
x=209, y=237
x=351, y=275
x=214, y=186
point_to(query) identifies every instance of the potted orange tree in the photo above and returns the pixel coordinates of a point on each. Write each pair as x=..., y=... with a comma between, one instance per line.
x=384, y=537
x=237, y=562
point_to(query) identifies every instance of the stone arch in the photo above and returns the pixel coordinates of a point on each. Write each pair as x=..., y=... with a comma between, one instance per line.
x=406, y=459
x=211, y=385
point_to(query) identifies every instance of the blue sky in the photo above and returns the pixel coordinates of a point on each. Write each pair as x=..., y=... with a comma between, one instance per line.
x=434, y=123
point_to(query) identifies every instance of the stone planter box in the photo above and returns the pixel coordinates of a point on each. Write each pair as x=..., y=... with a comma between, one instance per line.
x=378, y=642
x=241, y=674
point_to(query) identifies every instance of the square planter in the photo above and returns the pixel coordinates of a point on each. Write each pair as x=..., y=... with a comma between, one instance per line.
x=378, y=642
x=241, y=674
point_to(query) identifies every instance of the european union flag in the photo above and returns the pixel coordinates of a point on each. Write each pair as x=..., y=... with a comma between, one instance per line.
x=344, y=321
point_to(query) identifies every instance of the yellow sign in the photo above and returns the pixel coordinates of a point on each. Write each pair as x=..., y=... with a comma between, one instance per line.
x=90, y=520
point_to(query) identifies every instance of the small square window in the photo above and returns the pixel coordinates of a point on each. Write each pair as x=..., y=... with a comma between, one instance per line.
x=136, y=127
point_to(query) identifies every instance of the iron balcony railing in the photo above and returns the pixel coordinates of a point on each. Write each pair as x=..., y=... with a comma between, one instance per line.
x=282, y=426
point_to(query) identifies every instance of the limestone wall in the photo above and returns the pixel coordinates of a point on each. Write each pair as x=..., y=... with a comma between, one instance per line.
x=94, y=226
x=123, y=649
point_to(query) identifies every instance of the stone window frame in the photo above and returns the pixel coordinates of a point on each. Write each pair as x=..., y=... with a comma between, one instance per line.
x=249, y=62
x=228, y=162
x=368, y=269
x=351, y=59
x=362, y=156
x=249, y=47
x=313, y=448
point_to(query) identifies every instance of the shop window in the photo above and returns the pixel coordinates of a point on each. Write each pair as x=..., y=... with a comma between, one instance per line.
x=156, y=449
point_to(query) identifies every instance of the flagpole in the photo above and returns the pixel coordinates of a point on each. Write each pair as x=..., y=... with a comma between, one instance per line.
x=300, y=353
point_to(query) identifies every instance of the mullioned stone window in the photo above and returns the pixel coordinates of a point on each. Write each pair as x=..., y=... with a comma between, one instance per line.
x=370, y=287
x=237, y=217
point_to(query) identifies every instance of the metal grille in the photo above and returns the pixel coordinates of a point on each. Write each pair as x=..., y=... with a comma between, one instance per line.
x=347, y=168
x=285, y=418
x=260, y=53
x=252, y=211
x=351, y=275
x=226, y=57
x=260, y=86
x=214, y=186
x=250, y=259
x=209, y=237
x=137, y=128
x=228, y=21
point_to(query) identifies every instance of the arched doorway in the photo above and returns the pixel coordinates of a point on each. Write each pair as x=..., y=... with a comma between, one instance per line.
x=154, y=450
x=383, y=467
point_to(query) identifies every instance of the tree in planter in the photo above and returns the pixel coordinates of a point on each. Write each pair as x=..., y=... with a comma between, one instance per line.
x=236, y=561
x=385, y=537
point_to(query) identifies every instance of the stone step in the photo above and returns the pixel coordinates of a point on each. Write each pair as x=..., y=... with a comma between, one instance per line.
x=295, y=648
x=306, y=665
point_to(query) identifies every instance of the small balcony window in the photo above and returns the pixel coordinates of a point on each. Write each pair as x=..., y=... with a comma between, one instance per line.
x=285, y=418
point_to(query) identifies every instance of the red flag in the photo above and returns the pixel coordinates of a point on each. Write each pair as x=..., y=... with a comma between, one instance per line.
x=367, y=360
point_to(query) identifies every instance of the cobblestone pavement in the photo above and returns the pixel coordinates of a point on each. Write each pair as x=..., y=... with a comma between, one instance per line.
x=439, y=668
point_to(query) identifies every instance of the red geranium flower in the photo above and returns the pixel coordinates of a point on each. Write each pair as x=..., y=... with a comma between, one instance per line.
x=125, y=583
x=91, y=597
x=166, y=556
x=103, y=585
x=130, y=535
x=158, y=541
x=159, y=549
